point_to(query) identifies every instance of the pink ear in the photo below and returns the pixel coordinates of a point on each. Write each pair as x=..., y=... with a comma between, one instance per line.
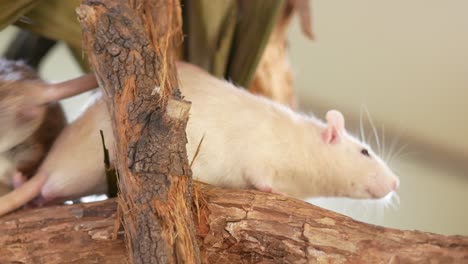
x=336, y=119
x=335, y=127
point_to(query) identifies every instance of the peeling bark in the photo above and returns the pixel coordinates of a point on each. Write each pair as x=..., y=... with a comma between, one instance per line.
x=233, y=226
x=132, y=59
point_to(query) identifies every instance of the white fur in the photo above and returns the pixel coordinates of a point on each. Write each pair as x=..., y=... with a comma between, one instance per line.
x=75, y=163
x=252, y=141
x=249, y=141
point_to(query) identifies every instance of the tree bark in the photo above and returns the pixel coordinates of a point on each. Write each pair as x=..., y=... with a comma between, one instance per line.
x=134, y=65
x=233, y=226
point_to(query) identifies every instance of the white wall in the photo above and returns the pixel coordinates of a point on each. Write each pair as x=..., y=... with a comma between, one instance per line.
x=408, y=62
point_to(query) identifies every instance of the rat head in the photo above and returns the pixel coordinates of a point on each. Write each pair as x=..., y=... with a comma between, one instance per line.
x=355, y=170
x=20, y=111
x=20, y=115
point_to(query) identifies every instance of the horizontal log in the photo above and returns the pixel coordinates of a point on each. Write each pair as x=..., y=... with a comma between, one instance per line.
x=80, y=233
x=233, y=226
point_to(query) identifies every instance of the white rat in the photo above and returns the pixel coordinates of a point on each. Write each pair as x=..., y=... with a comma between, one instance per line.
x=249, y=142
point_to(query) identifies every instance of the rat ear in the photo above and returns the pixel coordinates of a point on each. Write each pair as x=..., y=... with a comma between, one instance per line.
x=336, y=119
x=335, y=127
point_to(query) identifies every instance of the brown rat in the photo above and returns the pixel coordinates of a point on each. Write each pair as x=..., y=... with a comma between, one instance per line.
x=249, y=142
x=30, y=123
x=25, y=136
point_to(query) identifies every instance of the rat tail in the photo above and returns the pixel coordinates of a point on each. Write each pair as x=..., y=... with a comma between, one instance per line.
x=59, y=91
x=23, y=194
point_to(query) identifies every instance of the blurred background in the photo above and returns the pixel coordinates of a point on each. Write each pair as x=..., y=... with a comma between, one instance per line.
x=407, y=62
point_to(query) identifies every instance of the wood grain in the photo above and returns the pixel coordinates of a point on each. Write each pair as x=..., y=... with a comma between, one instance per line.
x=233, y=226
x=133, y=61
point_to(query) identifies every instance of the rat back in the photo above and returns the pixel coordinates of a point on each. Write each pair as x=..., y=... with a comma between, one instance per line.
x=240, y=131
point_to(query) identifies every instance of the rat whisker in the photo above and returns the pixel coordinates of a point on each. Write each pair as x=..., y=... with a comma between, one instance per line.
x=391, y=150
x=391, y=201
x=407, y=154
x=397, y=153
x=361, y=125
x=397, y=171
x=394, y=151
x=376, y=136
x=395, y=202
x=369, y=137
x=383, y=154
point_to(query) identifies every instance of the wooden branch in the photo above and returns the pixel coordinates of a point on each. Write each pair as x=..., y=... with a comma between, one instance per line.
x=233, y=226
x=64, y=234
x=134, y=65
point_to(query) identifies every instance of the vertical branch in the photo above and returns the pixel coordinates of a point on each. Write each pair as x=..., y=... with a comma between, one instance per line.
x=138, y=77
x=162, y=22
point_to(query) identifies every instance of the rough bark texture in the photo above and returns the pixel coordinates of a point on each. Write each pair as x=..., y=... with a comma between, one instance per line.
x=132, y=60
x=234, y=226
x=64, y=234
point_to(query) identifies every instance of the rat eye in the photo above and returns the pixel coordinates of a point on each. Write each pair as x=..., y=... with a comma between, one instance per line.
x=365, y=152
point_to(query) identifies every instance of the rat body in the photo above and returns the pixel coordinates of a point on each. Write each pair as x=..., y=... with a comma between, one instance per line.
x=249, y=142
x=25, y=136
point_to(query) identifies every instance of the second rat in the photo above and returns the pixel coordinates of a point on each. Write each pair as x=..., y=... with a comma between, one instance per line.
x=28, y=127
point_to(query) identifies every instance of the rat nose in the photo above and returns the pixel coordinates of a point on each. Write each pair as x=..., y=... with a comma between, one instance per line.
x=395, y=184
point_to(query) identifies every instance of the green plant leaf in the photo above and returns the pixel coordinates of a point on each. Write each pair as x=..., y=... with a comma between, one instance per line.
x=11, y=11
x=256, y=22
x=55, y=19
x=204, y=26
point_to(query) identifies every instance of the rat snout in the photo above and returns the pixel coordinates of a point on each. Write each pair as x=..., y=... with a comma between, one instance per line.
x=388, y=185
x=395, y=183
x=392, y=182
x=379, y=185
